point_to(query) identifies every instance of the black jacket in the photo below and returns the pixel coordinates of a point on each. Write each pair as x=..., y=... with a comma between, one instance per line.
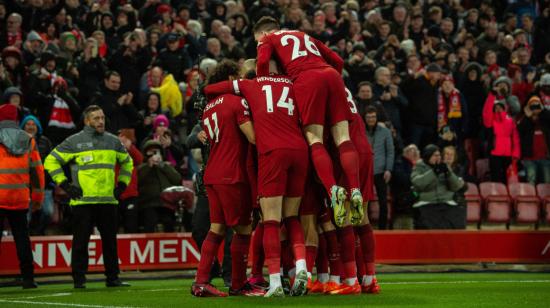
x=116, y=116
x=526, y=129
x=422, y=96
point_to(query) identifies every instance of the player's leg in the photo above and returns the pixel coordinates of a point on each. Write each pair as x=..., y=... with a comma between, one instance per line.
x=347, y=253
x=272, y=212
x=295, y=233
x=321, y=264
x=210, y=247
x=333, y=252
x=258, y=257
x=366, y=236
x=311, y=99
x=311, y=239
x=338, y=116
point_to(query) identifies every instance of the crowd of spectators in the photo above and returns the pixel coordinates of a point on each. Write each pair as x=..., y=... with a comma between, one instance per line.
x=444, y=72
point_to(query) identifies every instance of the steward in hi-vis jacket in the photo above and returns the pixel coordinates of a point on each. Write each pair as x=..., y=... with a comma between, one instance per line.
x=92, y=155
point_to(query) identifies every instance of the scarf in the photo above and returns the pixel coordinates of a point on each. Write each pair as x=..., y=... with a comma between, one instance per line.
x=452, y=110
x=61, y=114
x=13, y=38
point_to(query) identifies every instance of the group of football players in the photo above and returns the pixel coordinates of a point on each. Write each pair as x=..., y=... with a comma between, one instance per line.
x=284, y=130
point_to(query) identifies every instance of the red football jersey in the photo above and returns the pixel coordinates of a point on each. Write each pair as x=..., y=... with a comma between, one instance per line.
x=228, y=145
x=271, y=101
x=295, y=52
x=357, y=129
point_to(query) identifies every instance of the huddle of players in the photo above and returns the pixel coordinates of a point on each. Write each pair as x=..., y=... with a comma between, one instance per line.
x=291, y=191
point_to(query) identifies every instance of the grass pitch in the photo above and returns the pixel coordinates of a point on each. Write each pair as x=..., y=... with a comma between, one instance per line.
x=398, y=290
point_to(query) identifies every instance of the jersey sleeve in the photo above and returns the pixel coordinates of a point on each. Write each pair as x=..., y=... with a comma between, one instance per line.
x=265, y=49
x=242, y=111
x=245, y=87
x=332, y=58
x=214, y=90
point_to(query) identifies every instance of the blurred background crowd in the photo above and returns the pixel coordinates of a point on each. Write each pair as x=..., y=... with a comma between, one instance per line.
x=461, y=81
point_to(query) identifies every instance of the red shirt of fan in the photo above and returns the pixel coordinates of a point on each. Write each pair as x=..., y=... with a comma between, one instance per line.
x=221, y=119
x=271, y=100
x=296, y=52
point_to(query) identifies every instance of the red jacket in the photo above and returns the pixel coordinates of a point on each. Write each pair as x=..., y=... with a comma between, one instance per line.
x=132, y=189
x=506, y=136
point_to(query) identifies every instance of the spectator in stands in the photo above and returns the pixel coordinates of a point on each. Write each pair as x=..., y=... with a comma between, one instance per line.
x=421, y=87
x=119, y=109
x=401, y=187
x=452, y=160
x=155, y=175
x=474, y=94
x=14, y=96
x=502, y=91
x=59, y=111
x=40, y=219
x=390, y=96
x=364, y=99
x=534, y=135
x=91, y=68
x=504, y=144
x=543, y=90
x=358, y=65
x=174, y=59
x=381, y=141
x=172, y=152
x=435, y=184
x=451, y=108
x=128, y=205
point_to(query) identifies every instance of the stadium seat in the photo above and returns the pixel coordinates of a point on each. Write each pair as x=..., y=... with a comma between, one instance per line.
x=473, y=203
x=526, y=202
x=543, y=191
x=482, y=169
x=497, y=202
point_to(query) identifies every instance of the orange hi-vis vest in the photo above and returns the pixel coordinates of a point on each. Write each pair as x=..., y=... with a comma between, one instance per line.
x=21, y=174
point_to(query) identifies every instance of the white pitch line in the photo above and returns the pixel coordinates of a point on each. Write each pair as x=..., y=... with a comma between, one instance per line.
x=60, y=304
x=466, y=282
x=41, y=296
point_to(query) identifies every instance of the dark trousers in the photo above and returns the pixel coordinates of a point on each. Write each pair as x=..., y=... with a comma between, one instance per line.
x=498, y=165
x=152, y=216
x=20, y=231
x=128, y=216
x=440, y=216
x=382, y=192
x=200, y=226
x=104, y=216
x=422, y=135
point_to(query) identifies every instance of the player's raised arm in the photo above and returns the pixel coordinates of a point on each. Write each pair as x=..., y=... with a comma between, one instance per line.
x=265, y=49
x=330, y=56
x=214, y=90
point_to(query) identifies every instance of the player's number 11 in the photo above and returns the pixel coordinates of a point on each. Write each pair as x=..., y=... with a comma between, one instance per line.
x=214, y=134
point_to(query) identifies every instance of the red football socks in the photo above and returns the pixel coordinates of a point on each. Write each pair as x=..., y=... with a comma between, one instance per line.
x=361, y=269
x=258, y=252
x=295, y=234
x=239, y=259
x=287, y=261
x=368, y=246
x=209, y=251
x=323, y=165
x=311, y=254
x=272, y=246
x=333, y=253
x=349, y=160
x=347, y=251
x=321, y=262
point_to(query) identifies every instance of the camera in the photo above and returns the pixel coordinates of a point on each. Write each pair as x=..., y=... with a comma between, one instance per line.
x=534, y=107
